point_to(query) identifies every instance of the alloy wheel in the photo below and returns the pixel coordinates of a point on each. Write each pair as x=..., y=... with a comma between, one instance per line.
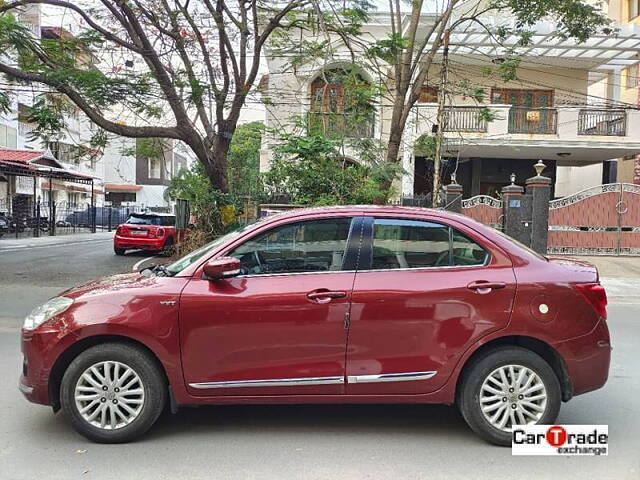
x=512, y=395
x=109, y=395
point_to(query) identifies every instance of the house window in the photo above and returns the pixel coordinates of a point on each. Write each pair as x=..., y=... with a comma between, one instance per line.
x=8, y=137
x=632, y=76
x=154, y=168
x=73, y=198
x=428, y=95
x=522, y=98
x=634, y=8
x=339, y=107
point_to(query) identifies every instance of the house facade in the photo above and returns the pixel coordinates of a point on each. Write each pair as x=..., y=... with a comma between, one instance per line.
x=120, y=174
x=563, y=108
x=131, y=177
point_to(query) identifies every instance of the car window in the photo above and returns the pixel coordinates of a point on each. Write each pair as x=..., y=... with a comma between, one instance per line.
x=465, y=251
x=143, y=220
x=310, y=246
x=168, y=221
x=399, y=243
x=409, y=244
x=186, y=261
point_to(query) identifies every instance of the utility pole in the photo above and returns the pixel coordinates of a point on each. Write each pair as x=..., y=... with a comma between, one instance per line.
x=440, y=119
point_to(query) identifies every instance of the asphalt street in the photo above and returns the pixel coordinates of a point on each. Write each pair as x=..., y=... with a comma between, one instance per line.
x=308, y=442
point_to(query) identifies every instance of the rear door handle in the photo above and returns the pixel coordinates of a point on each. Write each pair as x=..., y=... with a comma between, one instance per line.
x=482, y=286
x=325, y=296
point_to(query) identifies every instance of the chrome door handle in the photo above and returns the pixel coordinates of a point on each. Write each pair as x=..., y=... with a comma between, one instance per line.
x=482, y=286
x=325, y=296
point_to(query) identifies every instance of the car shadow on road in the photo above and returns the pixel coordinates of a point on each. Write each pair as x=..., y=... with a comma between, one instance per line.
x=319, y=419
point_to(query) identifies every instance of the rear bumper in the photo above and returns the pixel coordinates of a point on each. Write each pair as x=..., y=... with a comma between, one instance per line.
x=588, y=358
x=138, y=243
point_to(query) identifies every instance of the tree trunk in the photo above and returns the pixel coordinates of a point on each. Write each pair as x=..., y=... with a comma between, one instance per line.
x=213, y=156
x=394, y=143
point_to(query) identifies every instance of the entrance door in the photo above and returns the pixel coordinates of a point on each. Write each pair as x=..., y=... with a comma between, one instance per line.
x=419, y=302
x=280, y=327
x=532, y=110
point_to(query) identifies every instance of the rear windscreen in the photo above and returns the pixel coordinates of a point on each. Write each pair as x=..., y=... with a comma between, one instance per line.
x=165, y=221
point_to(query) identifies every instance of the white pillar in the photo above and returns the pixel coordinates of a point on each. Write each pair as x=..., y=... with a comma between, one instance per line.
x=408, y=155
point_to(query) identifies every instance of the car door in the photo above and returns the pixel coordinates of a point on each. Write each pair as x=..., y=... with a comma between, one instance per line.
x=424, y=292
x=280, y=327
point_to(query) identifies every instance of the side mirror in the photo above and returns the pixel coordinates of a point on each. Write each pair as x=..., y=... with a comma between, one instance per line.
x=223, y=267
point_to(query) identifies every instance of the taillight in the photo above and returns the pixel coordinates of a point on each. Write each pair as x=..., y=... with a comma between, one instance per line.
x=160, y=232
x=596, y=295
x=119, y=230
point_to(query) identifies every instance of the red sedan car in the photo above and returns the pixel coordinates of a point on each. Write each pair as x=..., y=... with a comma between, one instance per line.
x=331, y=305
x=154, y=232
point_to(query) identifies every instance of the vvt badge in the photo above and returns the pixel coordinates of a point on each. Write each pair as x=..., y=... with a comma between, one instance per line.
x=560, y=440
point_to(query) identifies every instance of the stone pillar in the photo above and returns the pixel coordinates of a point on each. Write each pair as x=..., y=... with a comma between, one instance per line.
x=516, y=208
x=453, y=196
x=539, y=189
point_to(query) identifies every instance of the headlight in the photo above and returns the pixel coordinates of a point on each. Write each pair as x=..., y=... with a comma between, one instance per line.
x=44, y=312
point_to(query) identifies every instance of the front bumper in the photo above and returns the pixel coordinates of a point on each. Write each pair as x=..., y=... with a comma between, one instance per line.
x=39, y=352
x=588, y=358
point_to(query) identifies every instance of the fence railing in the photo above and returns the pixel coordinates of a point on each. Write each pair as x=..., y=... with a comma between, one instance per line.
x=28, y=218
x=465, y=119
x=533, y=120
x=606, y=122
x=341, y=124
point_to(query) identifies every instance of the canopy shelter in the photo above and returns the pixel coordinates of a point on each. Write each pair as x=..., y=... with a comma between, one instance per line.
x=41, y=164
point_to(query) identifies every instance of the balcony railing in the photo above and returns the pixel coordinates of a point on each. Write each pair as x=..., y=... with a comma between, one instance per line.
x=533, y=120
x=25, y=129
x=341, y=124
x=465, y=119
x=600, y=121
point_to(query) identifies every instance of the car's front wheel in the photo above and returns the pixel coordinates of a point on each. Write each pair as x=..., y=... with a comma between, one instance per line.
x=507, y=388
x=113, y=392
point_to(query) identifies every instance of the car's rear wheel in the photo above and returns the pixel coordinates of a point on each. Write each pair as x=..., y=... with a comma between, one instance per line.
x=112, y=393
x=507, y=388
x=168, y=248
x=118, y=251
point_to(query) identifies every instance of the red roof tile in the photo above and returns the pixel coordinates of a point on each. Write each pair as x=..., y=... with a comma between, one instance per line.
x=19, y=156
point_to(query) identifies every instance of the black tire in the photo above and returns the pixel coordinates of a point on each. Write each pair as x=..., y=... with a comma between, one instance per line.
x=475, y=375
x=118, y=251
x=152, y=379
x=167, y=248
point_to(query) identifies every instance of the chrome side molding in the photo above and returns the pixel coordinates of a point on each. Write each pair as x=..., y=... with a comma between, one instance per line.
x=290, y=382
x=390, y=377
x=276, y=382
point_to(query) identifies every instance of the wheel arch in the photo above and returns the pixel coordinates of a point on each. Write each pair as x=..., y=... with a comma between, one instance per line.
x=546, y=351
x=67, y=356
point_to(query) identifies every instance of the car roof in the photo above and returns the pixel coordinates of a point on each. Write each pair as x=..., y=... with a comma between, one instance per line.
x=151, y=214
x=363, y=210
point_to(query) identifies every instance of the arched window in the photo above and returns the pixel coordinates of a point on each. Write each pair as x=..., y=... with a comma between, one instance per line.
x=341, y=105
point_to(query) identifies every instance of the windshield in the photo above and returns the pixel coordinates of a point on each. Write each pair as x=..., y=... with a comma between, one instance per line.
x=164, y=220
x=135, y=220
x=179, y=265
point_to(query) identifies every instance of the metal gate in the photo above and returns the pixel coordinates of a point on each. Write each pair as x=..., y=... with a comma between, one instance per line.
x=601, y=220
x=484, y=209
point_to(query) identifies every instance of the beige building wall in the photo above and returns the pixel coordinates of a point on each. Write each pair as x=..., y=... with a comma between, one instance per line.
x=628, y=83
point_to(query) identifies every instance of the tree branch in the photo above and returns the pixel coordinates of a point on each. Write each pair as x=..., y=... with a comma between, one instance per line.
x=63, y=4
x=91, y=112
